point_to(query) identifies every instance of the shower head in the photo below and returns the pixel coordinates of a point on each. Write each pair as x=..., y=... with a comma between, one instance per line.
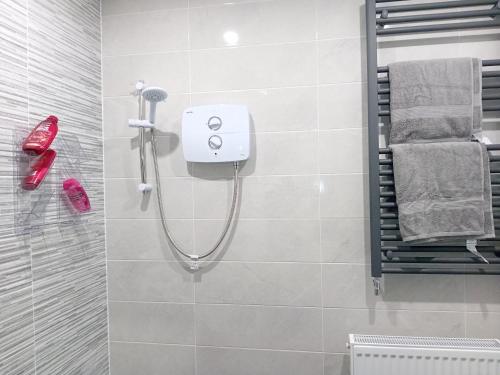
x=153, y=95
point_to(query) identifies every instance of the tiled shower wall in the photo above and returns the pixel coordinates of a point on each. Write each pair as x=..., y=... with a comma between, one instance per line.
x=293, y=280
x=53, y=317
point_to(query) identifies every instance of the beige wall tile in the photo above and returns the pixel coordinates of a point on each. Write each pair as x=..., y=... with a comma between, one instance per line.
x=343, y=151
x=121, y=158
x=144, y=33
x=134, y=358
x=272, y=110
x=342, y=106
x=261, y=197
x=418, y=48
x=288, y=284
x=121, y=73
x=482, y=293
x=345, y=240
x=484, y=46
x=272, y=154
x=149, y=281
x=282, y=65
x=259, y=327
x=337, y=364
x=342, y=61
x=230, y=361
x=350, y=286
x=344, y=196
x=124, y=201
x=340, y=18
x=264, y=240
x=252, y=22
x=125, y=316
x=132, y=239
x=134, y=6
x=206, y=3
x=483, y=325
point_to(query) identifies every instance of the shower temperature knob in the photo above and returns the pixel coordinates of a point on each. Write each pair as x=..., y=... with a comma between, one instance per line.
x=215, y=142
x=214, y=123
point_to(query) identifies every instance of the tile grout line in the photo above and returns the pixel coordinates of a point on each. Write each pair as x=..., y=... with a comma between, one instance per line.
x=291, y=132
x=191, y=166
x=290, y=307
x=174, y=261
x=104, y=188
x=466, y=333
x=253, y=176
x=251, y=89
x=255, y=89
x=223, y=347
x=216, y=5
x=239, y=47
x=317, y=170
x=279, y=307
x=30, y=247
x=249, y=219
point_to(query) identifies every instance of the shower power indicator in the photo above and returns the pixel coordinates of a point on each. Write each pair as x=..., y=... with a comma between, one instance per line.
x=214, y=123
x=215, y=142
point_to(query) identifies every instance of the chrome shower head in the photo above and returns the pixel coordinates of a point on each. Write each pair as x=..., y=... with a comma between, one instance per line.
x=153, y=95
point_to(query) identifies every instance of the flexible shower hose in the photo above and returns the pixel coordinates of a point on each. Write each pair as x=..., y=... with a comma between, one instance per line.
x=227, y=225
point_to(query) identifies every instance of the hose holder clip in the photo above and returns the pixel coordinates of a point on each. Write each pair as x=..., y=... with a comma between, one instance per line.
x=194, y=262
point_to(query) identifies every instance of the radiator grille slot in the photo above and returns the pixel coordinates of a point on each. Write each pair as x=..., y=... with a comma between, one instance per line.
x=442, y=342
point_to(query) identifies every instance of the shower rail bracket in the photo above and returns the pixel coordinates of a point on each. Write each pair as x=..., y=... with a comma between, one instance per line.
x=135, y=123
x=194, y=263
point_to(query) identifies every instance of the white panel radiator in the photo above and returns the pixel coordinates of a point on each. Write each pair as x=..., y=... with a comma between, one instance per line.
x=397, y=355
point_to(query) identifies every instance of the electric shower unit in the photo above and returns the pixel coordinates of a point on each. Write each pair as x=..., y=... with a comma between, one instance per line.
x=216, y=133
x=210, y=134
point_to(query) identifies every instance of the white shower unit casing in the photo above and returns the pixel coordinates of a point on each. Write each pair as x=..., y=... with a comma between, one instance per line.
x=216, y=133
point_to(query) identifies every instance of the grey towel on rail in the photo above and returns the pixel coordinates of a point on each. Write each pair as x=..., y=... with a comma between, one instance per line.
x=443, y=191
x=435, y=100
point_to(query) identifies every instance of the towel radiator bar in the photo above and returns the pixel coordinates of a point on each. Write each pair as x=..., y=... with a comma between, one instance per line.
x=389, y=255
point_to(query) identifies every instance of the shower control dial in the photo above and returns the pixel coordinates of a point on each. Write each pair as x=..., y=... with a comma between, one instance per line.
x=215, y=142
x=214, y=123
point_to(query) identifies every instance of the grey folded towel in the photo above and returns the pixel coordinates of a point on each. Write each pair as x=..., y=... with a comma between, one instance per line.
x=442, y=180
x=443, y=191
x=435, y=100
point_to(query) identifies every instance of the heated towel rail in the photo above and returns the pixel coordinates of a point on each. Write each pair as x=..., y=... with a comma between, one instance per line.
x=389, y=255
